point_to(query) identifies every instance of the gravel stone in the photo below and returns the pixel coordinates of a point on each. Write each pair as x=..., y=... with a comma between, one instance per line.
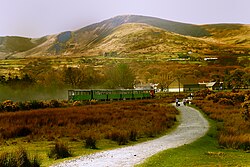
x=192, y=126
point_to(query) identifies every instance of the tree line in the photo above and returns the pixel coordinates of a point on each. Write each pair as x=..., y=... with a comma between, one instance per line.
x=42, y=73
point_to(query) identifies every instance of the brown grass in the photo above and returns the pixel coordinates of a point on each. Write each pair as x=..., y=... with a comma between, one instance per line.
x=235, y=131
x=127, y=120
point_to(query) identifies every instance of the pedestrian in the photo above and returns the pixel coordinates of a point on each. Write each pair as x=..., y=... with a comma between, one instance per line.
x=177, y=102
x=184, y=102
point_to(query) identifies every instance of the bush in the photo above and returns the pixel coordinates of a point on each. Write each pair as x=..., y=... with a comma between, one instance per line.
x=133, y=135
x=36, y=104
x=77, y=103
x=54, y=104
x=35, y=162
x=23, y=105
x=60, y=150
x=123, y=138
x=201, y=94
x=233, y=130
x=21, y=131
x=225, y=101
x=9, y=105
x=18, y=159
x=22, y=158
x=90, y=142
x=133, y=118
x=120, y=137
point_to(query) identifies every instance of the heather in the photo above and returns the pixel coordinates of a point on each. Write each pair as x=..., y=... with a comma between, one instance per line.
x=118, y=121
x=226, y=108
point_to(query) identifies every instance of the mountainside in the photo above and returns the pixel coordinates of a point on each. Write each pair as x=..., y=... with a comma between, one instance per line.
x=234, y=34
x=14, y=44
x=131, y=34
x=100, y=30
x=132, y=38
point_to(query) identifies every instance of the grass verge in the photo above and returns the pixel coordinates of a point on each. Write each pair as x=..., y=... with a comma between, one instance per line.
x=203, y=152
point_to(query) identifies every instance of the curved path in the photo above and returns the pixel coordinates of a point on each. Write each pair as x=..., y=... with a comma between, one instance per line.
x=192, y=126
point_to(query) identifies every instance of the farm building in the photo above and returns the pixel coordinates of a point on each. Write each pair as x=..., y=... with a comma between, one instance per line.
x=212, y=85
x=184, y=85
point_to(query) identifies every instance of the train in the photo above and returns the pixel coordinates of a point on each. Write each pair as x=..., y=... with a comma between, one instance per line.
x=109, y=94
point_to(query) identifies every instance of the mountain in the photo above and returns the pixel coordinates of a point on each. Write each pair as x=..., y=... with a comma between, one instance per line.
x=233, y=34
x=14, y=44
x=134, y=38
x=131, y=34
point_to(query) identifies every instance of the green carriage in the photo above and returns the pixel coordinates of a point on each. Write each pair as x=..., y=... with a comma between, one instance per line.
x=108, y=94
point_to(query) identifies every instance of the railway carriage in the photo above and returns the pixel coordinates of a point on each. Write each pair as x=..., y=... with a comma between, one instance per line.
x=109, y=94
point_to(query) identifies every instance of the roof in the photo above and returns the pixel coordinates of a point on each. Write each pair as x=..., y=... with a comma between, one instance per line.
x=208, y=84
x=188, y=80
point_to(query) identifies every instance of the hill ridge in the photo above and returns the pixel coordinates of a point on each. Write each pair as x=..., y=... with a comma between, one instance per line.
x=89, y=39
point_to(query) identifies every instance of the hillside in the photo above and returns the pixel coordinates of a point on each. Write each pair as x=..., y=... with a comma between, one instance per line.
x=14, y=44
x=132, y=38
x=233, y=34
x=133, y=34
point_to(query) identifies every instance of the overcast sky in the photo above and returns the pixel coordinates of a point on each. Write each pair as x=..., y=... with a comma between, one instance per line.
x=36, y=18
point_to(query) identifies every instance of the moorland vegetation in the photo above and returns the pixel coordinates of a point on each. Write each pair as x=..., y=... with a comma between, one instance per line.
x=228, y=109
x=87, y=126
x=118, y=53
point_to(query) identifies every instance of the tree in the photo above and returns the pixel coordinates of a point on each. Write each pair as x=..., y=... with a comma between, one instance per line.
x=81, y=77
x=37, y=68
x=216, y=78
x=74, y=76
x=178, y=74
x=165, y=79
x=246, y=79
x=236, y=78
x=120, y=76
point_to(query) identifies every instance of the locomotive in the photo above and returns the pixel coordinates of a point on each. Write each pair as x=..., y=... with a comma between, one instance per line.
x=109, y=94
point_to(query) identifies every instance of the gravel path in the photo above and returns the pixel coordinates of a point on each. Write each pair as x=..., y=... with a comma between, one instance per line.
x=192, y=126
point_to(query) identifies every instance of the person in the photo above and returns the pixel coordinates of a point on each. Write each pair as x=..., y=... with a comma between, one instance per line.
x=184, y=102
x=177, y=102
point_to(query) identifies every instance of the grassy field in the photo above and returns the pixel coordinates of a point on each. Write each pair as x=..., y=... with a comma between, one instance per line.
x=203, y=152
x=110, y=125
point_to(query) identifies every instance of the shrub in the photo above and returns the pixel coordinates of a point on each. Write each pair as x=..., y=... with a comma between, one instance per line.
x=60, y=150
x=36, y=104
x=8, y=160
x=133, y=135
x=202, y=93
x=120, y=137
x=90, y=142
x=23, y=105
x=234, y=131
x=114, y=119
x=54, y=104
x=35, y=162
x=18, y=159
x=212, y=97
x=123, y=138
x=77, y=103
x=22, y=158
x=235, y=141
x=245, y=113
x=225, y=101
x=9, y=105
